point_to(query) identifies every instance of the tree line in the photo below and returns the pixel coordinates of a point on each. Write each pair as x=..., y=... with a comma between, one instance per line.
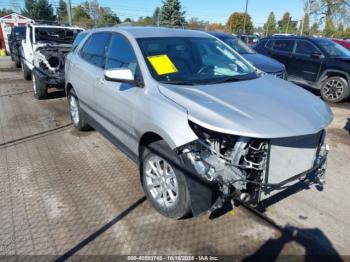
x=332, y=18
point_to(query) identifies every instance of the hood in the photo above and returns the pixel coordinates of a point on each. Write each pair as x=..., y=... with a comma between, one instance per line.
x=266, y=107
x=264, y=63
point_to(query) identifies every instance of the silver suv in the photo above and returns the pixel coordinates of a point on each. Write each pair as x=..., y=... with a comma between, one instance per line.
x=202, y=123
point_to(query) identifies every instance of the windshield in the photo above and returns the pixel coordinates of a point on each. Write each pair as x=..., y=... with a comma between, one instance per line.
x=332, y=48
x=193, y=60
x=59, y=35
x=238, y=45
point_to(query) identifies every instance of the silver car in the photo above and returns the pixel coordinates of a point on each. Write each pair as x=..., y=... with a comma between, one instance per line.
x=202, y=123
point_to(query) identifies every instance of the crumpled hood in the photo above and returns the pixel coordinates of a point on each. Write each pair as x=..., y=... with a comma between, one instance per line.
x=264, y=63
x=266, y=107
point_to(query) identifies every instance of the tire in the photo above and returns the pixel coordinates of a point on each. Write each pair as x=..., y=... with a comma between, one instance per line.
x=27, y=74
x=76, y=114
x=335, y=89
x=39, y=87
x=177, y=204
x=17, y=61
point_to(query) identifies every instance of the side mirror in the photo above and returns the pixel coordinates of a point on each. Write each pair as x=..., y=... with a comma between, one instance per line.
x=122, y=75
x=316, y=54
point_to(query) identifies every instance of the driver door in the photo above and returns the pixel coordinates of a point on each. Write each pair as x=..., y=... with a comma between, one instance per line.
x=116, y=101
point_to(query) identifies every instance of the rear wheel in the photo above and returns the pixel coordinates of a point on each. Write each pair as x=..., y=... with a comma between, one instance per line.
x=335, y=89
x=76, y=114
x=39, y=87
x=163, y=183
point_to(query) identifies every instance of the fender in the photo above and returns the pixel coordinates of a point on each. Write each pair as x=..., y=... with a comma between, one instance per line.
x=325, y=72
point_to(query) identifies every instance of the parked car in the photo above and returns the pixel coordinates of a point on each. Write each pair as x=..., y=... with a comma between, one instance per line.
x=345, y=43
x=316, y=62
x=43, y=52
x=18, y=33
x=262, y=62
x=203, y=125
x=249, y=39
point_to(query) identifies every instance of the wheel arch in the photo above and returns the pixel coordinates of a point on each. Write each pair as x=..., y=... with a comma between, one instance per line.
x=333, y=72
x=67, y=88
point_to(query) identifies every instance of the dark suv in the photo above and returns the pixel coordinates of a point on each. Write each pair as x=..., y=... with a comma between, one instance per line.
x=315, y=62
x=18, y=33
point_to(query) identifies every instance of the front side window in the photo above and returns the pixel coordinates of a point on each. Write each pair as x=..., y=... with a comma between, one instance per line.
x=94, y=50
x=305, y=48
x=283, y=45
x=193, y=60
x=78, y=40
x=121, y=54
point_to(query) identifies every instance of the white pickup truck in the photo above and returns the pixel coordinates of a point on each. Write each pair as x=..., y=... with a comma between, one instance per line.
x=42, y=56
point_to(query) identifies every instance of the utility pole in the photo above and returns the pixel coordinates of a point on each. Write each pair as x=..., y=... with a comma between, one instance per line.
x=245, y=15
x=69, y=11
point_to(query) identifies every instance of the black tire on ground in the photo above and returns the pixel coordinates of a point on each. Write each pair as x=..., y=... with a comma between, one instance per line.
x=80, y=122
x=39, y=87
x=27, y=74
x=17, y=61
x=331, y=85
x=182, y=205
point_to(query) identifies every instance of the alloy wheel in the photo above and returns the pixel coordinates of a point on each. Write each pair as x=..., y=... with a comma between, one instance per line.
x=74, y=109
x=333, y=89
x=161, y=181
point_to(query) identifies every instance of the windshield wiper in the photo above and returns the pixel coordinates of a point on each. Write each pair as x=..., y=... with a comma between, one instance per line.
x=227, y=79
x=185, y=83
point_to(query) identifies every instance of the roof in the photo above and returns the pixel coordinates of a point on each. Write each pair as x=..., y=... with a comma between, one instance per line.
x=221, y=34
x=54, y=26
x=147, y=31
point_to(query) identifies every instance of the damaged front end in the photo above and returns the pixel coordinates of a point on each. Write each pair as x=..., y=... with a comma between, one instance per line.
x=49, y=63
x=251, y=169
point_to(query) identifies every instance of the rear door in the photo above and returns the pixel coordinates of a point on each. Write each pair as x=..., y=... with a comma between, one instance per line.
x=282, y=51
x=116, y=101
x=87, y=70
x=306, y=63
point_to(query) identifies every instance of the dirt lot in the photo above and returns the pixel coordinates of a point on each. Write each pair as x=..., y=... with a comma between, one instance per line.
x=65, y=193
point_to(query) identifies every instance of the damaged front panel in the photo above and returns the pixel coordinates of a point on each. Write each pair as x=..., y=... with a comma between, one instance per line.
x=49, y=61
x=249, y=169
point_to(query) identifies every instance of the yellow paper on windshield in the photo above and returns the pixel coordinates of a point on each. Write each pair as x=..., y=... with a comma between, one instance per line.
x=162, y=64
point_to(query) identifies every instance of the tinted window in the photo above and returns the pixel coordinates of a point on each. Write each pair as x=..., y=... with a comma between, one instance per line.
x=269, y=44
x=333, y=49
x=283, y=45
x=121, y=54
x=77, y=40
x=305, y=48
x=95, y=49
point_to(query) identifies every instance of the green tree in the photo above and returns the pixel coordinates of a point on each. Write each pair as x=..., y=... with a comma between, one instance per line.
x=156, y=15
x=144, y=21
x=329, y=27
x=235, y=23
x=172, y=13
x=39, y=10
x=304, y=28
x=127, y=20
x=340, y=32
x=287, y=25
x=270, y=27
x=5, y=11
x=62, y=13
x=195, y=23
x=106, y=17
x=314, y=30
x=81, y=12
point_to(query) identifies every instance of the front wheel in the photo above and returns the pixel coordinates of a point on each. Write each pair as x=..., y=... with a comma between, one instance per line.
x=335, y=89
x=76, y=114
x=163, y=182
x=39, y=87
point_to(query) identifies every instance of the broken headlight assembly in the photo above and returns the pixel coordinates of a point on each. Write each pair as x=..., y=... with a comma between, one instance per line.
x=236, y=164
x=239, y=166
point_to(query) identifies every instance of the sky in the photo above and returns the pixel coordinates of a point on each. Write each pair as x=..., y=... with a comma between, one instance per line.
x=208, y=10
x=211, y=10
